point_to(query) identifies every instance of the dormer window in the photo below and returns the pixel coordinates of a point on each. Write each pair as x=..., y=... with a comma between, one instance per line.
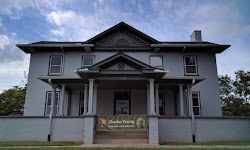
x=88, y=61
x=156, y=61
x=55, y=67
x=190, y=65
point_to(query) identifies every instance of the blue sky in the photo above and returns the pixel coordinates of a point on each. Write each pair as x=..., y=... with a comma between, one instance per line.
x=27, y=21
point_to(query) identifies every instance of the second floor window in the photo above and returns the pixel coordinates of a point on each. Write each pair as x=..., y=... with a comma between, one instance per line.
x=190, y=65
x=156, y=61
x=87, y=61
x=55, y=66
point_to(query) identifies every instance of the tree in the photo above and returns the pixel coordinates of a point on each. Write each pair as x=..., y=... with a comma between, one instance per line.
x=12, y=100
x=235, y=94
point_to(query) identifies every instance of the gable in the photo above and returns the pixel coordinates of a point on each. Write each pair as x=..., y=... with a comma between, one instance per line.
x=122, y=35
x=121, y=66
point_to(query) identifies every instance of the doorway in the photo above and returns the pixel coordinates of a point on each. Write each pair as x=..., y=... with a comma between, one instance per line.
x=122, y=103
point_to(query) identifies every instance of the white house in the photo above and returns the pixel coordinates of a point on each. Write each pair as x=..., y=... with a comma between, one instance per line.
x=124, y=72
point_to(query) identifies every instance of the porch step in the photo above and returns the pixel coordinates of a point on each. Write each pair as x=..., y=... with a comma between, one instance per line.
x=121, y=141
x=121, y=137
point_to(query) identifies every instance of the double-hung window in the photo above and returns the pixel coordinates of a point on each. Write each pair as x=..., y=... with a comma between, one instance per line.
x=161, y=104
x=49, y=103
x=190, y=63
x=156, y=61
x=87, y=60
x=196, y=103
x=81, y=103
x=55, y=66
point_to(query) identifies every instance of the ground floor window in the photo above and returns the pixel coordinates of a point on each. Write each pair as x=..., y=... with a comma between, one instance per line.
x=161, y=104
x=81, y=103
x=196, y=103
x=49, y=102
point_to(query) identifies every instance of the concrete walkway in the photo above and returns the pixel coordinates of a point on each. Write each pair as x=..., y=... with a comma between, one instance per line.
x=139, y=146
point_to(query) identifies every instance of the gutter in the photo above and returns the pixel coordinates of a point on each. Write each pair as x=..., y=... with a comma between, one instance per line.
x=51, y=111
x=55, y=45
x=192, y=113
x=187, y=45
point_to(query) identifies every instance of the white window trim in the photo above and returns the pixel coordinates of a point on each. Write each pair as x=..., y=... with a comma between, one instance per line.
x=46, y=104
x=50, y=73
x=185, y=66
x=156, y=56
x=88, y=56
x=199, y=102
x=163, y=102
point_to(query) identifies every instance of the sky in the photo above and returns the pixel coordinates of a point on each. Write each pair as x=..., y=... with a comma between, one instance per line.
x=27, y=21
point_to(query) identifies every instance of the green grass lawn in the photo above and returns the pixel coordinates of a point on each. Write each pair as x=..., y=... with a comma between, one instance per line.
x=213, y=143
x=67, y=148
x=38, y=143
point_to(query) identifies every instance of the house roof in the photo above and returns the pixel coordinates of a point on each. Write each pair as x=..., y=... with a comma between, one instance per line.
x=138, y=41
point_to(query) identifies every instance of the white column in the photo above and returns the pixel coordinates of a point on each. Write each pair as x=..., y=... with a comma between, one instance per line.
x=157, y=98
x=90, y=103
x=95, y=99
x=61, y=103
x=85, y=99
x=148, y=99
x=181, y=99
x=53, y=101
x=190, y=101
x=152, y=102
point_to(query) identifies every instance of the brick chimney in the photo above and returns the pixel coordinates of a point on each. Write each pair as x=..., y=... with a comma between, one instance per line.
x=196, y=36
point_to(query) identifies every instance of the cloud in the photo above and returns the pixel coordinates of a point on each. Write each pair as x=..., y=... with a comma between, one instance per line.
x=13, y=8
x=13, y=62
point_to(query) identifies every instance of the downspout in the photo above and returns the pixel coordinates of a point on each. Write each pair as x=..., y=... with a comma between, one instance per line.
x=192, y=113
x=51, y=111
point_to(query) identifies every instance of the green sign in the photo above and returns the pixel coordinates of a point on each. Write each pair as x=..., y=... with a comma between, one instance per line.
x=122, y=123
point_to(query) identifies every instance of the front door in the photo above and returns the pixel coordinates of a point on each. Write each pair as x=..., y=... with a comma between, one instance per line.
x=122, y=103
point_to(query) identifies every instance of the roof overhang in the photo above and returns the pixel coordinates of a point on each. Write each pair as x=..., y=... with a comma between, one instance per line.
x=182, y=79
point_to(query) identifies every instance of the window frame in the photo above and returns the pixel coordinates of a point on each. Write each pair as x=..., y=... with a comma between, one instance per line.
x=83, y=66
x=156, y=56
x=61, y=66
x=163, y=103
x=80, y=104
x=46, y=102
x=185, y=65
x=199, y=102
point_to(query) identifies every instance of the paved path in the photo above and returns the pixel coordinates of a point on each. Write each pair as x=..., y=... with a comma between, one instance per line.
x=140, y=146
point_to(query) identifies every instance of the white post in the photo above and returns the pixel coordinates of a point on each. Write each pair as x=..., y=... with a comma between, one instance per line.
x=190, y=101
x=85, y=99
x=148, y=99
x=95, y=99
x=181, y=99
x=152, y=102
x=61, y=103
x=52, y=110
x=157, y=99
x=90, y=104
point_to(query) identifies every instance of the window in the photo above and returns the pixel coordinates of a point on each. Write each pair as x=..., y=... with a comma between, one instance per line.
x=87, y=61
x=156, y=61
x=81, y=103
x=55, y=66
x=49, y=102
x=190, y=63
x=161, y=104
x=196, y=103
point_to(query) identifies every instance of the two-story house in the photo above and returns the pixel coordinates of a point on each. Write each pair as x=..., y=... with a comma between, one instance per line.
x=123, y=71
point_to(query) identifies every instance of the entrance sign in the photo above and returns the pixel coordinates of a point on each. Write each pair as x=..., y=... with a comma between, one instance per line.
x=122, y=123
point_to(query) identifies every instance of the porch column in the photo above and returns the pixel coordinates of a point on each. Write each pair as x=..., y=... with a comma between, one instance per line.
x=152, y=102
x=190, y=101
x=181, y=99
x=157, y=98
x=90, y=103
x=85, y=99
x=61, y=103
x=148, y=99
x=95, y=99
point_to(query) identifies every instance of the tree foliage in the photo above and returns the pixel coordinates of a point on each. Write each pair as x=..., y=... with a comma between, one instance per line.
x=12, y=100
x=235, y=94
